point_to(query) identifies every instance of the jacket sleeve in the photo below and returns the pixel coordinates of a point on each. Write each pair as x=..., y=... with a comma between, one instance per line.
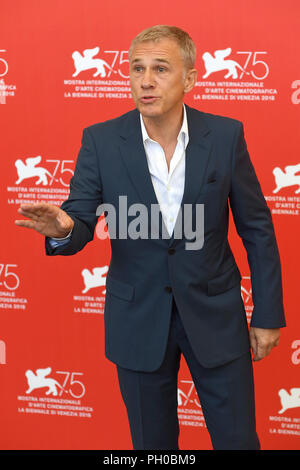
x=84, y=198
x=254, y=225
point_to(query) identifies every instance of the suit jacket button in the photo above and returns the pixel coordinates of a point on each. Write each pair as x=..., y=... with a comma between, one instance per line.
x=168, y=289
x=171, y=251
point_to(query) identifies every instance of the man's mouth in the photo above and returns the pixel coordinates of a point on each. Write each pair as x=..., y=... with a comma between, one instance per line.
x=148, y=99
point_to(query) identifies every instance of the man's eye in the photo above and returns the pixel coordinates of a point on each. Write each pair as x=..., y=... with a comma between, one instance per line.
x=138, y=68
x=161, y=69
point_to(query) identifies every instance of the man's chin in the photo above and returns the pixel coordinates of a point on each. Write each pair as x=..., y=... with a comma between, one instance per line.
x=149, y=111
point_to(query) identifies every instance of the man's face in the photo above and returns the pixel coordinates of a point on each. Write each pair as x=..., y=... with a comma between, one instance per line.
x=156, y=75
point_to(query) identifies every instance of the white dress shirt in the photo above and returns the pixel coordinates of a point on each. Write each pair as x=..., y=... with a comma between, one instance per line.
x=168, y=184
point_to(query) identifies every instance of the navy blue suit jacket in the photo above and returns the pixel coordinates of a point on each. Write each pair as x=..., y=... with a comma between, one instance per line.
x=144, y=274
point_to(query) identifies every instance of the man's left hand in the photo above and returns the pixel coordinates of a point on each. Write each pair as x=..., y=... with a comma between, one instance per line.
x=262, y=341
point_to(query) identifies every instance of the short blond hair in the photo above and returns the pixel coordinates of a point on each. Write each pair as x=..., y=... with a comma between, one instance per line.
x=158, y=32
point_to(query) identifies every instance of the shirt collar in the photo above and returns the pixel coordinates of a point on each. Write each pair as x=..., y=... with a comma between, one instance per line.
x=183, y=133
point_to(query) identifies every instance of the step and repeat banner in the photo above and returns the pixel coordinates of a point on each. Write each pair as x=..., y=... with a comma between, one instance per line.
x=63, y=67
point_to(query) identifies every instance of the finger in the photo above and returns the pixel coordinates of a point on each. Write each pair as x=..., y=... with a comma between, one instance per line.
x=253, y=343
x=31, y=215
x=263, y=351
x=258, y=352
x=37, y=208
x=25, y=223
x=31, y=211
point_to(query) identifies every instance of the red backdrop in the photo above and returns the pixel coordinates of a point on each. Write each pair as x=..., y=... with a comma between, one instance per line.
x=58, y=391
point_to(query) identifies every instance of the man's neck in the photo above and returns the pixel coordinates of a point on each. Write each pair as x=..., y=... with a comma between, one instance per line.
x=165, y=129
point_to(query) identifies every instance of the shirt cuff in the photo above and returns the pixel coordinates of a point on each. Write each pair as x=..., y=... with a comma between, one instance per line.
x=55, y=242
x=63, y=238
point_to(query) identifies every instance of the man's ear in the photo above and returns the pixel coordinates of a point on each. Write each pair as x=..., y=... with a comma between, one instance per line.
x=190, y=80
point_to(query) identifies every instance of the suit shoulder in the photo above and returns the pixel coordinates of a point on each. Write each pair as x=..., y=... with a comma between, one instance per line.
x=218, y=122
x=109, y=126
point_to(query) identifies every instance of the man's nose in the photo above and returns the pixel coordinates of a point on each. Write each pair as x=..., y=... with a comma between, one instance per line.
x=148, y=79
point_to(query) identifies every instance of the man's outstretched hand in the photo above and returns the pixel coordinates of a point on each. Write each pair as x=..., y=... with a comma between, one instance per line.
x=47, y=219
x=263, y=341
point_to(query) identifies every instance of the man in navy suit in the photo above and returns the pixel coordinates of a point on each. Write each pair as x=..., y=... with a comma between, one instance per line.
x=169, y=295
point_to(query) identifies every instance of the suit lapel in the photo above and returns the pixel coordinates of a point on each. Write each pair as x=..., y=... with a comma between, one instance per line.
x=196, y=158
x=135, y=160
x=196, y=161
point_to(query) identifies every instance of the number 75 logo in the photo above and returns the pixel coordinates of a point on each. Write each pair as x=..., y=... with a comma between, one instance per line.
x=218, y=63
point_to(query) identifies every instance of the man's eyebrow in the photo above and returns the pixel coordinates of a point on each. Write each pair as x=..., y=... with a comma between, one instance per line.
x=163, y=60
x=157, y=60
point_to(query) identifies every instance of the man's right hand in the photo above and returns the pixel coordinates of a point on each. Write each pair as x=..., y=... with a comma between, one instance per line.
x=47, y=219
